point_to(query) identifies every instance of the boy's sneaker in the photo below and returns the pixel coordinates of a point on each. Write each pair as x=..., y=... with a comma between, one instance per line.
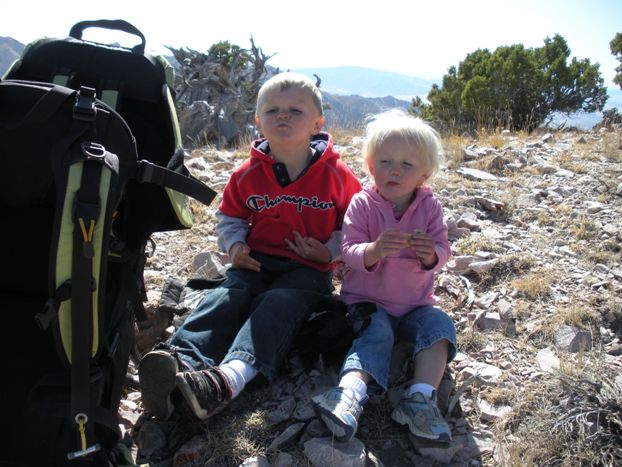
x=156, y=374
x=207, y=392
x=340, y=411
x=423, y=417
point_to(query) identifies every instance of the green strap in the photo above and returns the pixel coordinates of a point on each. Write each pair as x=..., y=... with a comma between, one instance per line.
x=110, y=97
x=61, y=80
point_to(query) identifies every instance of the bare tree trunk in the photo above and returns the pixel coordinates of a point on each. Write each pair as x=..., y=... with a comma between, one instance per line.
x=216, y=97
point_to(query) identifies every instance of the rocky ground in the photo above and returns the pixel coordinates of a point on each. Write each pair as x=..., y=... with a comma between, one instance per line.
x=534, y=287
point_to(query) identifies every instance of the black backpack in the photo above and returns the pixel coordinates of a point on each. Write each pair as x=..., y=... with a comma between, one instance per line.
x=330, y=331
x=82, y=188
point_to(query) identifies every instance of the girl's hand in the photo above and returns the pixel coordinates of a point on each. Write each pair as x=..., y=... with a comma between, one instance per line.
x=240, y=257
x=424, y=247
x=388, y=242
x=309, y=248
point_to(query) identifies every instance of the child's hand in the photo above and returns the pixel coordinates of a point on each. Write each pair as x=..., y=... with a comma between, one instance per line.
x=388, y=242
x=424, y=247
x=240, y=257
x=309, y=248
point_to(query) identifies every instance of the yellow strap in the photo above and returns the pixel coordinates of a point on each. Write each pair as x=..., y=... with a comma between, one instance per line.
x=81, y=419
x=88, y=236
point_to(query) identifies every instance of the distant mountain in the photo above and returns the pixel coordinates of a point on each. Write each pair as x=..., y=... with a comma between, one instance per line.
x=10, y=50
x=353, y=109
x=367, y=82
x=359, y=81
x=352, y=93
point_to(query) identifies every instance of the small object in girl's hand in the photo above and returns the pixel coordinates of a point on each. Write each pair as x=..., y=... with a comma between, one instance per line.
x=411, y=237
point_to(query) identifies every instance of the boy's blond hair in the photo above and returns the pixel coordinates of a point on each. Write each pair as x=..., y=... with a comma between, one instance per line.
x=415, y=131
x=287, y=80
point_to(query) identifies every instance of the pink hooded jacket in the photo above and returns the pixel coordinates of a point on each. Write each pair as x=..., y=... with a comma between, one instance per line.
x=396, y=283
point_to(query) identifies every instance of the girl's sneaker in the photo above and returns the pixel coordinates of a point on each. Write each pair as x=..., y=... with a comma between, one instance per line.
x=423, y=417
x=340, y=411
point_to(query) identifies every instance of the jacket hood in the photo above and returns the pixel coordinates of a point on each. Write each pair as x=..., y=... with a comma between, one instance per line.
x=319, y=143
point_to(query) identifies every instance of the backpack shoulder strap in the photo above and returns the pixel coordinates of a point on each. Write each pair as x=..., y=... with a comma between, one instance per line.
x=86, y=177
x=148, y=172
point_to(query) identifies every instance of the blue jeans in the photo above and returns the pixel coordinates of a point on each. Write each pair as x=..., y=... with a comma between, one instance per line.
x=252, y=316
x=371, y=351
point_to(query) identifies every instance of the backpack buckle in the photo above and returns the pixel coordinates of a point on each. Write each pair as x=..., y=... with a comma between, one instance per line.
x=47, y=315
x=93, y=151
x=50, y=309
x=145, y=171
x=84, y=108
x=84, y=452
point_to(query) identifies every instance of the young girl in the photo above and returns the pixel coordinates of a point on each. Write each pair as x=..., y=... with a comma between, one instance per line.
x=395, y=240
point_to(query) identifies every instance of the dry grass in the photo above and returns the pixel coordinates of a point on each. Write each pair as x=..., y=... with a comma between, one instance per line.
x=577, y=314
x=237, y=438
x=534, y=286
x=468, y=246
x=567, y=420
x=343, y=135
x=470, y=341
x=584, y=229
x=228, y=439
x=607, y=147
x=454, y=150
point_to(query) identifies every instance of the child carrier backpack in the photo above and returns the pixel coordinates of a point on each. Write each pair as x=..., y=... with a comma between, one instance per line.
x=83, y=185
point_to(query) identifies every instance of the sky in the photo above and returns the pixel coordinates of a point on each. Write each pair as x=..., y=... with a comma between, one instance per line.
x=414, y=38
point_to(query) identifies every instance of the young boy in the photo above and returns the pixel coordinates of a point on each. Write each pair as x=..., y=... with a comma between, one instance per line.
x=395, y=241
x=279, y=220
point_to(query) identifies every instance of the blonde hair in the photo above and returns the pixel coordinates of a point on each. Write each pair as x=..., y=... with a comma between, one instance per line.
x=288, y=80
x=414, y=130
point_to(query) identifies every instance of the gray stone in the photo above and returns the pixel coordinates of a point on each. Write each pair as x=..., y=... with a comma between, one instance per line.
x=193, y=452
x=303, y=411
x=492, y=412
x=257, y=461
x=326, y=452
x=151, y=438
x=314, y=429
x=439, y=452
x=571, y=339
x=283, y=411
x=286, y=437
x=547, y=360
x=475, y=174
x=283, y=459
x=483, y=373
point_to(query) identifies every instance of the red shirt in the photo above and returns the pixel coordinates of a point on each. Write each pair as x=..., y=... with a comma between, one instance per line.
x=313, y=205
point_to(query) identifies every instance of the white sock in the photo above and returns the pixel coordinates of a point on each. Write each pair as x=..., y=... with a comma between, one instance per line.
x=423, y=388
x=349, y=380
x=239, y=373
